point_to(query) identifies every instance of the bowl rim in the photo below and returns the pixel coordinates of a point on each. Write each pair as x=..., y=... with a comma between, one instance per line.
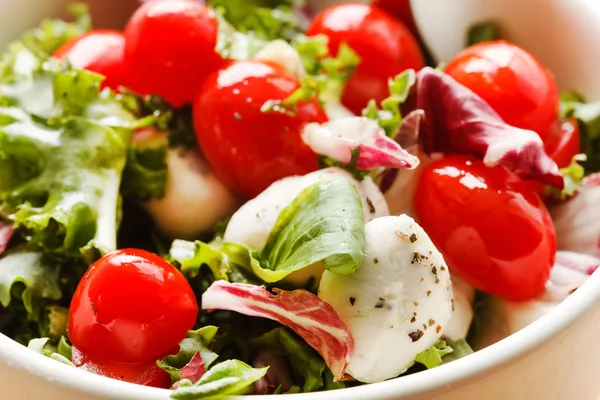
x=474, y=366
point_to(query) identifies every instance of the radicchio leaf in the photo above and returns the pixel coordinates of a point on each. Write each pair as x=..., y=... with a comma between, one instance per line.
x=459, y=121
x=338, y=140
x=6, y=233
x=194, y=369
x=303, y=312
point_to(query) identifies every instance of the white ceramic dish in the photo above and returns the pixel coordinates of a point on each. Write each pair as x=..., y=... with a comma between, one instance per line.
x=555, y=358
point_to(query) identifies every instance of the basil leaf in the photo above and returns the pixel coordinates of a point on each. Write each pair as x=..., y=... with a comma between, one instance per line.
x=325, y=222
x=231, y=377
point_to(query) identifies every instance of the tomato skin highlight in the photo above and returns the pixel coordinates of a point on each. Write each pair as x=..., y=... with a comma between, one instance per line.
x=131, y=306
x=249, y=148
x=147, y=374
x=385, y=45
x=512, y=81
x=101, y=51
x=170, y=47
x=564, y=142
x=492, y=229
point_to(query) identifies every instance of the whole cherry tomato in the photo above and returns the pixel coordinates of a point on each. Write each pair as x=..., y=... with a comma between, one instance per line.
x=100, y=51
x=170, y=47
x=247, y=146
x=131, y=306
x=147, y=374
x=512, y=81
x=564, y=142
x=385, y=46
x=492, y=229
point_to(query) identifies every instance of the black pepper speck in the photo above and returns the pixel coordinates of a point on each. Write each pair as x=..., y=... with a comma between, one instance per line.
x=352, y=300
x=413, y=238
x=375, y=260
x=416, y=335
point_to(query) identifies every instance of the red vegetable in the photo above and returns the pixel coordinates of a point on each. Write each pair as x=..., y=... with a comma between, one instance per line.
x=6, y=233
x=194, y=369
x=170, y=46
x=512, y=81
x=384, y=44
x=400, y=9
x=147, y=374
x=459, y=121
x=250, y=148
x=101, y=51
x=492, y=229
x=303, y=312
x=131, y=306
x=564, y=142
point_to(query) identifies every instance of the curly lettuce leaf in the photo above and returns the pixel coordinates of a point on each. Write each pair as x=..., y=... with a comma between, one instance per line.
x=433, y=356
x=61, y=353
x=231, y=377
x=196, y=344
x=389, y=116
x=574, y=105
x=573, y=176
x=460, y=349
x=63, y=147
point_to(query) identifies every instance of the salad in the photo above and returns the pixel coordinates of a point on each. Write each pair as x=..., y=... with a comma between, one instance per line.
x=252, y=197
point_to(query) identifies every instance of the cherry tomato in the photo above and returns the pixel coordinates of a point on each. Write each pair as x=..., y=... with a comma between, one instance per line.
x=247, y=147
x=492, y=229
x=385, y=46
x=131, y=306
x=100, y=51
x=512, y=81
x=564, y=142
x=400, y=9
x=170, y=46
x=147, y=374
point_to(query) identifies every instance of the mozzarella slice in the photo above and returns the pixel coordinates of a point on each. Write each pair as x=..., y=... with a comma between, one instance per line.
x=253, y=222
x=397, y=304
x=282, y=53
x=460, y=323
x=195, y=199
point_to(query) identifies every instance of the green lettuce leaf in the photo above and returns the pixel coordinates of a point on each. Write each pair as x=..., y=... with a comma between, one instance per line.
x=325, y=222
x=483, y=32
x=389, y=116
x=433, y=356
x=305, y=362
x=62, y=353
x=197, y=341
x=38, y=275
x=573, y=176
x=231, y=377
x=460, y=349
x=573, y=105
x=63, y=147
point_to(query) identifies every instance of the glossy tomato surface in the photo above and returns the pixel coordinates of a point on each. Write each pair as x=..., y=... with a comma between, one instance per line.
x=131, y=306
x=147, y=374
x=512, y=81
x=385, y=46
x=248, y=147
x=492, y=229
x=100, y=51
x=170, y=47
x=564, y=142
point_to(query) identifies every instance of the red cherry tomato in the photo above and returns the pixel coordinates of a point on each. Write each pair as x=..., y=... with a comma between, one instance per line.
x=247, y=147
x=385, y=46
x=400, y=9
x=131, y=306
x=512, y=81
x=564, y=142
x=147, y=374
x=492, y=229
x=100, y=51
x=170, y=46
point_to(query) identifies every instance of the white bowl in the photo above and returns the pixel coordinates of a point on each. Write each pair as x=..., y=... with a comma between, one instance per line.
x=555, y=358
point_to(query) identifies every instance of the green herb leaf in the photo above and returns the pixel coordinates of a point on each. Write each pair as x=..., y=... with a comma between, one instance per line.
x=43, y=347
x=231, y=377
x=197, y=341
x=191, y=256
x=573, y=176
x=460, y=349
x=389, y=116
x=483, y=32
x=325, y=222
x=305, y=362
x=432, y=357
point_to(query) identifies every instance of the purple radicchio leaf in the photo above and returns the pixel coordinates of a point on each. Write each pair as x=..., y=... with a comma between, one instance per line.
x=6, y=233
x=337, y=139
x=459, y=121
x=194, y=369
